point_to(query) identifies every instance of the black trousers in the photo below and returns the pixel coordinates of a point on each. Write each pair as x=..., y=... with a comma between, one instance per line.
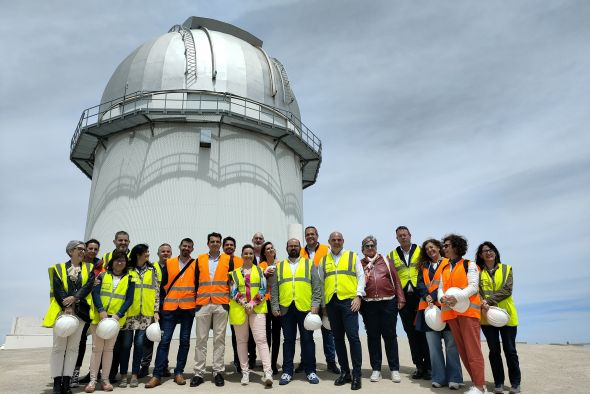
x=380, y=318
x=417, y=339
x=343, y=322
x=82, y=348
x=273, y=335
x=508, y=335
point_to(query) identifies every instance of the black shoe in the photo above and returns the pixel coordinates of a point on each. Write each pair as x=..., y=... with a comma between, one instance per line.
x=252, y=364
x=85, y=378
x=417, y=374
x=65, y=385
x=332, y=367
x=356, y=383
x=237, y=367
x=57, y=385
x=166, y=373
x=275, y=370
x=343, y=379
x=427, y=375
x=196, y=380
x=143, y=371
x=299, y=368
x=218, y=379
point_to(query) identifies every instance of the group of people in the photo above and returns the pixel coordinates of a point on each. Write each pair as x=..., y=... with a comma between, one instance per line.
x=260, y=295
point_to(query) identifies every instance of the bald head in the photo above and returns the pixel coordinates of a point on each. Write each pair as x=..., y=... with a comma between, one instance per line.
x=336, y=242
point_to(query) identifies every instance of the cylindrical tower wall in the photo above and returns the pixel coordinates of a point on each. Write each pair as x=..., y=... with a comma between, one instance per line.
x=161, y=186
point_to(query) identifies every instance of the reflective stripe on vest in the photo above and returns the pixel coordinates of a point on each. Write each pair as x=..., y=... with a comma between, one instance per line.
x=54, y=309
x=113, y=299
x=213, y=290
x=182, y=294
x=406, y=274
x=431, y=285
x=489, y=285
x=237, y=313
x=295, y=287
x=144, y=297
x=458, y=278
x=341, y=278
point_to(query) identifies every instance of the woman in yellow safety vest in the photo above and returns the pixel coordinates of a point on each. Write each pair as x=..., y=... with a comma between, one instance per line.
x=495, y=288
x=112, y=296
x=70, y=285
x=142, y=312
x=268, y=262
x=247, y=309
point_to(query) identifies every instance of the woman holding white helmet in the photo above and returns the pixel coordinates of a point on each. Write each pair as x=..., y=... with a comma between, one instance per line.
x=70, y=283
x=384, y=297
x=142, y=312
x=247, y=309
x=495, y=288
x=112, y=296
x=444, y=372
x=463, y=276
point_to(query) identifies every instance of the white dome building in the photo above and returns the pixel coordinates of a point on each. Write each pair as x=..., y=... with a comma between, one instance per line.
x=197, y=131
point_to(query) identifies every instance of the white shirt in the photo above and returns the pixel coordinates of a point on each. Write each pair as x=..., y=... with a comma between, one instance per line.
x=213, y=261
x=294, y=265
x=181, y=264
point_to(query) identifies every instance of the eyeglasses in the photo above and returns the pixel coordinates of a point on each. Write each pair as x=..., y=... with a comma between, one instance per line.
x=369, y=246
x=488, y=251
x=80, y=248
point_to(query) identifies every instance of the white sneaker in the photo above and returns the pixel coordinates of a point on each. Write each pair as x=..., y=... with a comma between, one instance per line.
x=245, y=378
x=436, y=385
x=376, y=376
x=475, y=390
x=454, y=386
x=267, y=379
x=395, y=377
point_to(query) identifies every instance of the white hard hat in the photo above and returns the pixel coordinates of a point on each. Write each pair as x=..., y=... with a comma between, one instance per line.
x=312, y=322
x=108, y=328
x=497, y=317
x=65, y=325
x=462, y=302
x=153, y=332
x=326, y=323
x=433, y=318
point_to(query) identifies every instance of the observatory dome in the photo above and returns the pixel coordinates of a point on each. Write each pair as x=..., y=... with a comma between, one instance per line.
x=204, y=55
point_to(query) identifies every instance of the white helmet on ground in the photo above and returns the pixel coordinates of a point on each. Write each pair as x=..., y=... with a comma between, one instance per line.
x=312, y=322
x=65, y=325
x=433, y=318
x=153, y=332
x=497, y=317
x=326, y=323
x=462, y=302
x=108, y=328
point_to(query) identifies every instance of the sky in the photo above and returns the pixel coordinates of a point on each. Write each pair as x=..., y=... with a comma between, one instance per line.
x=447, y=117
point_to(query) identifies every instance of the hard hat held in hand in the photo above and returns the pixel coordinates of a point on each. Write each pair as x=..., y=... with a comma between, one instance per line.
x=312, y=322
x=497, y=317
x=462, y=302
x=153, y=332
x=65, y=325
x=433, y=318
x=326, y=323
x=107, y=328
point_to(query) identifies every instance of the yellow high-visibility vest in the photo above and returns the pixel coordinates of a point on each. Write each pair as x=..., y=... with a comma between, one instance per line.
x=113, y=300
x=144, y=297
x=54, y=309
x=295, y=287
x=490, y=285
x=341, y=278
x=237, y=313
x=404, y=272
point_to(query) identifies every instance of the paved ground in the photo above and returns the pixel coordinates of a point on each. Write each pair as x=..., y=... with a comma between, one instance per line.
x=545, y=369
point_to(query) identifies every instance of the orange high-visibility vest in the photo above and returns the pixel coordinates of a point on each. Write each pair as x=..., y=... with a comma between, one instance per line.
x=216, y=290
x=458, y=278
x=431, y=285
x=182, y=294
x=320, y=253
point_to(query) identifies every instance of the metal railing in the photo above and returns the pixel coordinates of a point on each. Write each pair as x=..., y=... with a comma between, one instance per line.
x=186, y=102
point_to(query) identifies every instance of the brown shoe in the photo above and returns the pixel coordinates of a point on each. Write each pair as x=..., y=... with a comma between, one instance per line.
x=153, y=382
x=179, y=379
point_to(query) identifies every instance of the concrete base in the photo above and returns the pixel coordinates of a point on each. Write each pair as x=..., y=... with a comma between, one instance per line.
x=27, y=333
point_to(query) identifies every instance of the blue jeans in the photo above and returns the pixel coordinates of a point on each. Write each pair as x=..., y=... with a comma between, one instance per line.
x=380, y=318
x=290, y=321
x=508, y=335
x=449, y=372
x=168, y=321
x=127, y=340
x=329, y=348
x=344, y=321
